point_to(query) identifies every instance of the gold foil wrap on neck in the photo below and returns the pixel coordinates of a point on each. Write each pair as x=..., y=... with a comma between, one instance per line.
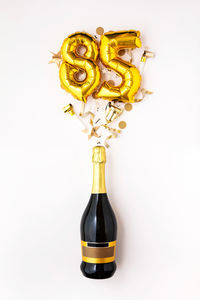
x=99, y=154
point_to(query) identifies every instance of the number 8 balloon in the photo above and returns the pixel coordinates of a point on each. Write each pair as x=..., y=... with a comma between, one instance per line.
x=73, y=62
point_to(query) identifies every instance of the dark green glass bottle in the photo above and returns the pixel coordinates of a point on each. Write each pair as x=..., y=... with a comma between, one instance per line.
x=98, y=225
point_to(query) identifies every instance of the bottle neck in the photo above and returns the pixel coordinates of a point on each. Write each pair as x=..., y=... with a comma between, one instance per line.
x=98, y=186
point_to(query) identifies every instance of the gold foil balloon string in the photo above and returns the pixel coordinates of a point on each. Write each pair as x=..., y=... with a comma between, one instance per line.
x=108, y=138
x=82, y=109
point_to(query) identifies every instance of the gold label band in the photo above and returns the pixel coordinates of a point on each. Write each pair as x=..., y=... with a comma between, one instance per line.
x=98, y=253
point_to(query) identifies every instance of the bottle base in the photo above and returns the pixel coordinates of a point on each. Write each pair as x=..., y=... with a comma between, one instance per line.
x=98, y=271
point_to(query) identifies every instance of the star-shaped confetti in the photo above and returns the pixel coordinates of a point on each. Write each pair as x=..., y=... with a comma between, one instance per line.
x=56, y=58
x=94, y=132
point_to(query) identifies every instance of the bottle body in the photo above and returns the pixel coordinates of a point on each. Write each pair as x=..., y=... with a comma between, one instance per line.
x=98, y=236
x=98, y=229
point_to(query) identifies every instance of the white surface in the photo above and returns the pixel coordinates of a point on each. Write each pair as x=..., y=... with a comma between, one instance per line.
x=152, y=170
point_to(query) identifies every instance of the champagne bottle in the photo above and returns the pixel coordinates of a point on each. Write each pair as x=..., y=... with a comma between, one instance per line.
x=98, y=225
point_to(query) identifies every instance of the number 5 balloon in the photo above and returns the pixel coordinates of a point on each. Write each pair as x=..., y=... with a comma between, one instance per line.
x=111, y=43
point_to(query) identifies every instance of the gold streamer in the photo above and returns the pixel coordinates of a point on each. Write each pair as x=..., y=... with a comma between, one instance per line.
x=144, y=93
x=88, y=113
x=94, y=128
x=108, y=138
x=146, y=54
x=94, y=132
x=113, y=135
x=114, y=130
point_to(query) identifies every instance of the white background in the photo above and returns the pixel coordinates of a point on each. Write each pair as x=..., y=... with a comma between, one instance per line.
x=152, y=170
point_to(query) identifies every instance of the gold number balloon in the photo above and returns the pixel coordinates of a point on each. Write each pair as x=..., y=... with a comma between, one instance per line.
x=73, y=62
x=111, y=43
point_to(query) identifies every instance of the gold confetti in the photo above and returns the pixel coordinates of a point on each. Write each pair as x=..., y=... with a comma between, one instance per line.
x=147, y=54
x=112, y=112
x=85, y=130
x=69, y=109
x=100, y=30
x=56, y=58
x=97, y=121
x=122, y=124
x=128, y=106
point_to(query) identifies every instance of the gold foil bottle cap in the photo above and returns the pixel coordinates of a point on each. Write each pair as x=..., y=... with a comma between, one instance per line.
x=99, y=154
